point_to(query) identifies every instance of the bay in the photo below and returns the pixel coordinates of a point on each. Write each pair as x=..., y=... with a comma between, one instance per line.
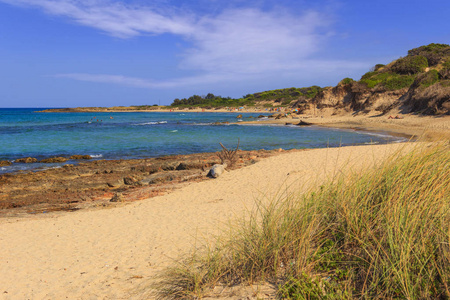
x=25, y=132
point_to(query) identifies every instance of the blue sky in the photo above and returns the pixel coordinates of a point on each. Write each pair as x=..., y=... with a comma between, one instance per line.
x=69, y=53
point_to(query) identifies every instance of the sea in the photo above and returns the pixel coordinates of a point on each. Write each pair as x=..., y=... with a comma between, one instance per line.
x=27, y=132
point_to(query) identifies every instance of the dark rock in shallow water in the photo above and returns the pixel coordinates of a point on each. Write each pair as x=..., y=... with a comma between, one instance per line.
x=303, y=123
x=4, y=163
x=26, y=160
x=80, y=157
x=239, y=117
x=261, y=116
x=54, y=160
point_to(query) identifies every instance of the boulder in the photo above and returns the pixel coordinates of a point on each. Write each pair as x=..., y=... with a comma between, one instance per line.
x=26, y=160
x=54, y=160
x=182, y=166
x=239, y=117
x=81, y=157
x=261, y=116
x=4, y=163
x=118, y=197
x=217, y=170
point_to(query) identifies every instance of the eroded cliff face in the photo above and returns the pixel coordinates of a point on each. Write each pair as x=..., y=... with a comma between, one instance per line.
x=355, y=97
x=432, y=100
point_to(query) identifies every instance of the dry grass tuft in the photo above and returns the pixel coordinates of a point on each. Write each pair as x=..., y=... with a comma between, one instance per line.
x=228, y=155
x=384, y=234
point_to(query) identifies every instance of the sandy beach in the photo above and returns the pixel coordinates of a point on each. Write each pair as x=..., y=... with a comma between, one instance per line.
x=115, y=253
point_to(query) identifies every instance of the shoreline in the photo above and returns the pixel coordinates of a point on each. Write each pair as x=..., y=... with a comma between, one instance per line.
x=116, y=253
x=427, y=128
x=408, y=125
x=328, y=122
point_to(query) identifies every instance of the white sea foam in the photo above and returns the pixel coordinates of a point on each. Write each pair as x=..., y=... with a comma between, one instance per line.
x=174, y=131
x=371, y=143
x=150, y=123
x=96, y=155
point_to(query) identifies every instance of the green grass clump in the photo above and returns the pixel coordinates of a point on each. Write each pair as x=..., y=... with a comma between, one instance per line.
x=383, y=234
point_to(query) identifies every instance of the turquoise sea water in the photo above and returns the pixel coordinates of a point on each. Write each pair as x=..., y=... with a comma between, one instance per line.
x=25, y=132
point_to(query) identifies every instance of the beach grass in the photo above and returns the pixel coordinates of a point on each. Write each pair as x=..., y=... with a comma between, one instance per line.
x=383, y=234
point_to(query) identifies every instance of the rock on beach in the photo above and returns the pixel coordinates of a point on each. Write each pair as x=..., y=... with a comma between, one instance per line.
x=216, y=170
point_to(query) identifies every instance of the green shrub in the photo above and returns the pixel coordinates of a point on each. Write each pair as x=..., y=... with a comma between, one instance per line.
x=312, y=91
x=434, y=53
x=368, y=75
x=410, y=65
x=371, y=79
x=378, y=66
x=390, y=81
x=398, y=82
x=346, y=81
x=427, y=79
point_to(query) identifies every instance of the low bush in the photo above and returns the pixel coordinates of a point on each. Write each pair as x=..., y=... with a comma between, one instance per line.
x=432, y=52
x=378, y=67
x=387, y=80
x=346, y=80
x=427, y=79
x=398, y=82
x=410, y=65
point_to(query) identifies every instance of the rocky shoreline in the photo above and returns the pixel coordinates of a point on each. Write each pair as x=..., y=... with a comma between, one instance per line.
x=103, y=183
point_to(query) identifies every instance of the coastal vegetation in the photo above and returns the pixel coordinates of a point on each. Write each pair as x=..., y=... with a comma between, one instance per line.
x=418, y=83
x=383, y=234
x=281, y=97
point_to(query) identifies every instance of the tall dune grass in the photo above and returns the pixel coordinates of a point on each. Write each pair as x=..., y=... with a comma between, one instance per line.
x=382, y=234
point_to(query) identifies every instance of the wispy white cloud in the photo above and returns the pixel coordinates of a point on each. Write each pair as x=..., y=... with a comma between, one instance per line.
x=228, y=45
x=115, y=18
x=149, y=83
